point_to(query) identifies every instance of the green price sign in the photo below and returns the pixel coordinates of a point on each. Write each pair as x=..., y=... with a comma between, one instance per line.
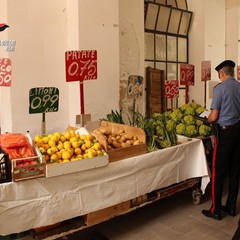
x=43, y=99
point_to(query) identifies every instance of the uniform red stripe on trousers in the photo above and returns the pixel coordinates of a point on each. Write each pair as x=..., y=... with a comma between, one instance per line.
x=214, y=174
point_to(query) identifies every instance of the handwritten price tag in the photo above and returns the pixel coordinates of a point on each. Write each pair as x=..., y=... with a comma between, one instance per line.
x=206, y=70
x=186, y=74
x=43, y=99
x=81, y=65
x=5, y=72
x=171, y=88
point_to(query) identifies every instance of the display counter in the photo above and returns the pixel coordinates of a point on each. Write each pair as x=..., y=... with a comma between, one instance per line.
x=44, y=201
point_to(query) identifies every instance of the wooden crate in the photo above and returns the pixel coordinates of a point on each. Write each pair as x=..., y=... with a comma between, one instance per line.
x=120, y=153
x=106, y=213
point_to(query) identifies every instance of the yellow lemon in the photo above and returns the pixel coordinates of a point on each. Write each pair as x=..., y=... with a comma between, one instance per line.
x=51, y=143
x=42, y=150
x=55, y=138
x=99, y=153
x=60, y=145
x=77, y=151
x=66, y=160
x=54, y=157
x=75, y=144
x=67, y=145
x=73, y=139
x=37, y=139
x=59, y=154
x=58, y=134
x=90, y=154
x=88, y=143
x=97, y=146
x=50, y=151
x=90, y=137
x=63, y=138
x=84, y=147
x=83, y=137
x=85, y=156
x=66, y=155
x=79, y=156
x=67, y=135
x=45, y=139
x=72, y=133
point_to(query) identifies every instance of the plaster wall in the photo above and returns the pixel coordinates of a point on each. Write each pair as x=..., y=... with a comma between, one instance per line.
x=206, y=43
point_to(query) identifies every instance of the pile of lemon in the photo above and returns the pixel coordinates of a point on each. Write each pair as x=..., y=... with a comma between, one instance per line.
x=66, y=147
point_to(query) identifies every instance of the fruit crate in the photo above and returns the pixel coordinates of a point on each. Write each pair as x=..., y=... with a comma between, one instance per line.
x=5, y=169
x=124, y=152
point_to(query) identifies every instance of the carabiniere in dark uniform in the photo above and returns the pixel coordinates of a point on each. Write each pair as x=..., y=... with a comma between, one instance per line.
x=225, y=114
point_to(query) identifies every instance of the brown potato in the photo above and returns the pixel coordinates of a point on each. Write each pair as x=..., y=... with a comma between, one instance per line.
x=116, y=144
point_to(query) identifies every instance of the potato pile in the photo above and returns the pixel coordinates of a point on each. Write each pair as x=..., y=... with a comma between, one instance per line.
x=117, y=138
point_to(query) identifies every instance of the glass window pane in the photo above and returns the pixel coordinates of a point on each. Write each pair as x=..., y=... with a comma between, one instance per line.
x=182, y=4
x=149, y=64
x=149, y=46
x=171, y=48
x=161, y=66
x=151, y=16
x=185, y=22
x=161, y=47
x=161, y=2
x=172, y=3
x=181, y=98
x=163, y=18
x=182, y=50
x=171, y=71
x=174, y=21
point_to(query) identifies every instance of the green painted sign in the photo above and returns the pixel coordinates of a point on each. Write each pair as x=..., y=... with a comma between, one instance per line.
x=43, y=99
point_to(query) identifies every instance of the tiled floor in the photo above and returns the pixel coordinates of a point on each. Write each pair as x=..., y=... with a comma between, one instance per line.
x=172, y=218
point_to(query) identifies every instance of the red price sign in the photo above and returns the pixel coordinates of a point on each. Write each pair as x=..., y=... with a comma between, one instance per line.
x=171, y=88
x=186, y=74
x=238, y=73
x=206, y=70
x=5, y=72
x=81, y=65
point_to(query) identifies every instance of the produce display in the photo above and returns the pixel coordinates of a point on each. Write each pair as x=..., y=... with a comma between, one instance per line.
x=69, y=146
x=162, y=129
x=117, y=138
x=18, y=148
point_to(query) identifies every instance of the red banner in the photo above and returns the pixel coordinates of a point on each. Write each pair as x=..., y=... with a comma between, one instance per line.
x=171, y=88
x=206, y=70
x=5, y=72
x=186, y=74
x=81, y=65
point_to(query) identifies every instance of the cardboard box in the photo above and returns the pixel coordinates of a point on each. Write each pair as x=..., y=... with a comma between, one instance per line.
x=119, y=153
x=29, y=172
x=57, y=169
x=106, y=213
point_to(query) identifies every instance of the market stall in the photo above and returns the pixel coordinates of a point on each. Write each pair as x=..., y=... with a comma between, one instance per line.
x=44, y=201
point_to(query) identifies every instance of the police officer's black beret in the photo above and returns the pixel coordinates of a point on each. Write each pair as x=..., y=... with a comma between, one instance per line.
x=225, y=63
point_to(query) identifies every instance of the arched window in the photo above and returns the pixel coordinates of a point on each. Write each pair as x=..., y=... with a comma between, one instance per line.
x=167, y=24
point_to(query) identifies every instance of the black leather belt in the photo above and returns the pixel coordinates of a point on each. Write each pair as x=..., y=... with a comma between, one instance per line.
x=231, y=126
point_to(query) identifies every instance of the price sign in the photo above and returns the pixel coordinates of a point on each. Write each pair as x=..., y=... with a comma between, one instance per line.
x=5, y=72
x=81, y=65
x=171, y=88
x=206, y=70
x=43, y=99
x=186, y=74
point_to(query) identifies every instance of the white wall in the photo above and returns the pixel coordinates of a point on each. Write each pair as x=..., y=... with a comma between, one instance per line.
x=44, y=30
x=206, y=42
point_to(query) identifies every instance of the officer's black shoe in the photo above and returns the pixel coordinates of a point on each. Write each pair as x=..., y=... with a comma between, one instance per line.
x=231, y=212
x=216, y=216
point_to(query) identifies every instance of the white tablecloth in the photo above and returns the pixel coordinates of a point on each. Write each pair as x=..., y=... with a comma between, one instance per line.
x=44, y=201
